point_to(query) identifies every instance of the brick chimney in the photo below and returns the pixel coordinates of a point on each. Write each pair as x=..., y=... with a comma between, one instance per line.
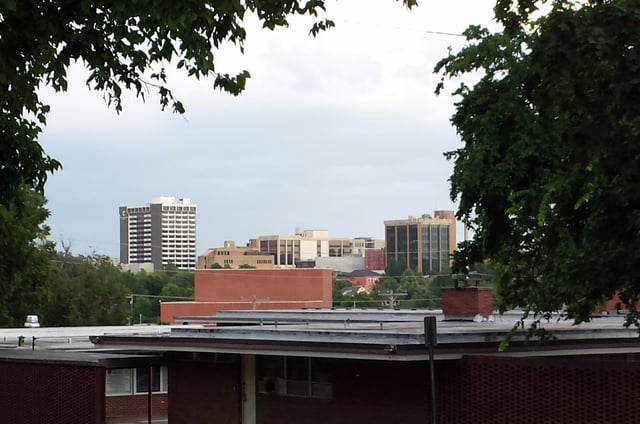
x=467, y=303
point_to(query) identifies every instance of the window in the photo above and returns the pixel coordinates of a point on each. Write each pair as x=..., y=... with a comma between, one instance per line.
x=294, y=376
x=118, y=382
x=142, y=379
x=131, y=381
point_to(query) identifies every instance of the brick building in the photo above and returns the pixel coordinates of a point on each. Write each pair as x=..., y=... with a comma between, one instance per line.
x=232, y=256
x=375, y=260
x=225, y=289
x=331, y=366
x=371, y=366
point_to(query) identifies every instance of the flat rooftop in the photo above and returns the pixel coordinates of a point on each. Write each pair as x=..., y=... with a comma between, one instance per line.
x=379, y=334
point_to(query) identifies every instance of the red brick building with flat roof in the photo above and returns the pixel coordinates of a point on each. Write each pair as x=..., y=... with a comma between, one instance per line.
x=240, y=289
x=374, y=260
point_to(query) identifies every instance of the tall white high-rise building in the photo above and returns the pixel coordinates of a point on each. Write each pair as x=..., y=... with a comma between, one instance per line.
x=162, y=232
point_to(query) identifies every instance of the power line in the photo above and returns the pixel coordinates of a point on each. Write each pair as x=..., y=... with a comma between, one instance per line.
x=399, y=28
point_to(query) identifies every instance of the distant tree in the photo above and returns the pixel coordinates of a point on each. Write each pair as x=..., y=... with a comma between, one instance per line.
x=396, y=267
x=246, y=266
x=144, y=309
x=90, y=291
x=149, y=289
x=215, y=265
x=436, y=284
x=338, y=287
x=358, y=300
x=26, y=256
x=363, y=299
x=388, y=284
x=416, y=287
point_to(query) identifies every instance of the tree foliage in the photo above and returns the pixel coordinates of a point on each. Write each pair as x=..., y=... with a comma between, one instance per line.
x=124, y=46
x=25, y=255
x=547, y=176
x=91, y=290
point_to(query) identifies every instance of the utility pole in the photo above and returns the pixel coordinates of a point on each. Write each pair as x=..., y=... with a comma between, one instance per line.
x=431, y=339
x=393, y=298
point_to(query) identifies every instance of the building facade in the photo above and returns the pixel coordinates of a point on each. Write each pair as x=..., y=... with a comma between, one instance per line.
x=307, y=245
x=326, y=366
x=361, y=368
x=423, y=243
x=162, y=232
x=374, y=260
x=233, y=257
x=251, y=289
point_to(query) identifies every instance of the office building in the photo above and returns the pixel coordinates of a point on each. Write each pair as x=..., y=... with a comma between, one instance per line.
x=232, y=256
x=162, y=232
x=308, y=245
x=423, y=243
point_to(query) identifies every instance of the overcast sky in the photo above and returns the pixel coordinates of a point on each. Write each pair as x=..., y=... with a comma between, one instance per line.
x=340, y=132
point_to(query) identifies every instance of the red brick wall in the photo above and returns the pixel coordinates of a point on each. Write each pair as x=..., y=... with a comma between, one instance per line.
x=374, y=260
x=204, y=392
x=467, y=301
x=614, y=305
x=136, y=406
x=223, y=289
x=541, y=391
x=274, y=284
x=495, y=390
x=194, y=309
x=51, y=394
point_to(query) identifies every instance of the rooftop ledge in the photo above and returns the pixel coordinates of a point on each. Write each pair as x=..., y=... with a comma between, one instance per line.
x=396, y=335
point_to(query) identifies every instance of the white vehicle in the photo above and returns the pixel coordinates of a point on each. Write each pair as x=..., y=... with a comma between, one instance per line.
x=32, y=321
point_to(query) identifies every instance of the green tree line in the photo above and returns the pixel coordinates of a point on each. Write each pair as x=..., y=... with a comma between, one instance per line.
x=69, y=290
x=417, y=291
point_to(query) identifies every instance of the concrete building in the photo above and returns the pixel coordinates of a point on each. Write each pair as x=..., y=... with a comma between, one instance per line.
x=340, y=263
x=424, y=243
x=308, y=245
x=362, y=244
x=232, y=256
x=162, y=232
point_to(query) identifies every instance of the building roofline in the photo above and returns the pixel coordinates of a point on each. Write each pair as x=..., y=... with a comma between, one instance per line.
x=379, y=335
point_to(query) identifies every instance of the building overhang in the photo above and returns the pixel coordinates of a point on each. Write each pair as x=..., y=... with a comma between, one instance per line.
x=375, y=335
x=82, y=358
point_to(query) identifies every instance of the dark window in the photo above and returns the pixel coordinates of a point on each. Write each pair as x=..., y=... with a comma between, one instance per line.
x=142, y=379
x=294, y=376
x=413, y=247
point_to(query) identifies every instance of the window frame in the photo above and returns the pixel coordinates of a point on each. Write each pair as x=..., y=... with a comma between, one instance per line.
x=163, y=383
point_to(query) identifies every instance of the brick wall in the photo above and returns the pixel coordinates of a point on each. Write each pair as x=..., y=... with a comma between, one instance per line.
x=374, y=260
x=539, y=391
x=275, y=284
x=472, y=390
x=223, y=289
x=136, y=406
x=204, y=391
x=467, y=301
x=51, y=394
